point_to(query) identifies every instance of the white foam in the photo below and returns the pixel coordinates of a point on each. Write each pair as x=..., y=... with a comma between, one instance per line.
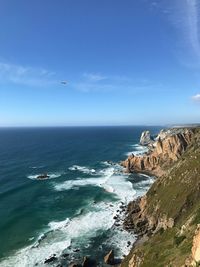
x=99, y=181
x=117, y=184
x=58, y=225
x=30, y=256
x=73, y=184
x=106, y=163
x=145, y=175
x=80, y=229
x=120, y=240
x=137, y=150
x=82, y=169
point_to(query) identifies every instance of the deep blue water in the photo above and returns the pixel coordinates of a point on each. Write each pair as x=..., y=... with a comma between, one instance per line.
x=73, y=209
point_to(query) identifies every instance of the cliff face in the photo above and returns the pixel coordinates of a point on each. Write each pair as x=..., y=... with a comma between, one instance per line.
x=167, y=218
x=168, y=147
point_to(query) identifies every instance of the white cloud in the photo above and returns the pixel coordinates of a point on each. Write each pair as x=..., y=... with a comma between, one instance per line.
x=90, y=82
x=192, y=25
x=29, y=76
x=196, y=98
x=184, y=15
x=94, y=77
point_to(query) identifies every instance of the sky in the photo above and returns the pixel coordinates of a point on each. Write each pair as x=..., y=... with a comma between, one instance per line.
x=125, y=62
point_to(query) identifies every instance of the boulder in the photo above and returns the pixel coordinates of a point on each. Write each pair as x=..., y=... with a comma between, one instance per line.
x=110, y=258
x=43, y=176
x=50, y=259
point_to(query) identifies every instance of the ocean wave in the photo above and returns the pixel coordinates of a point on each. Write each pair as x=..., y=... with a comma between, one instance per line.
x=32, y=256
x=62, y=235
x=137, y=150
x=76, y=232
x=108, y=179
x=104, y=175
x=82, y=169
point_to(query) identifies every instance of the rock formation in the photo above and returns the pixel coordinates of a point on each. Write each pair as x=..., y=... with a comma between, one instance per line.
x=168, y=147
x=43, y=176
x=166, y=220
x=196, y=246
x=109, y=258
x=145, y=138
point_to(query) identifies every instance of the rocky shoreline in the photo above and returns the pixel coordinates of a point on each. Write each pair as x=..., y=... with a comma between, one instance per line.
x=74, y=260
x=173, y=157
x=164, y=150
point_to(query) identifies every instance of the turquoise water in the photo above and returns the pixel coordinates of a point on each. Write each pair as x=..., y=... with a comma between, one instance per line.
x=71, y=211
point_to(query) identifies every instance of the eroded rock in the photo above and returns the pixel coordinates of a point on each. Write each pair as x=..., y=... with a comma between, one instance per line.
x=165, y=150
x=110, y=258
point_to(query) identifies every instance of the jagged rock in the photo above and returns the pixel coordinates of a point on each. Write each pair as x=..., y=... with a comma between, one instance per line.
x=50, y=259
x=110, y=258
x=145, y=138
x=167, y=149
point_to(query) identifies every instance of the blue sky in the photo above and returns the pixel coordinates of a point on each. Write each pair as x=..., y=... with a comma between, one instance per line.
x=126, y=62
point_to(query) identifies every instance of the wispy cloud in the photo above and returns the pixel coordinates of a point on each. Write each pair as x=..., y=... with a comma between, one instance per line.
x=90, y=82
x=23, y=75
x=191, y=9
x=196, y=98
x=94, y=77
x=184, y=15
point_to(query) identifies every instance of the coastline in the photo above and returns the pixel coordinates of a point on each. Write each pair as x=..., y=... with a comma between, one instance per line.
x=109, y=177
x=149, y=218
x=91, y=229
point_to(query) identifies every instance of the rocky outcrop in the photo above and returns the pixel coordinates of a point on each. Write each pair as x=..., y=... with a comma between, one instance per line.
x=43, y=176
x=110, y=258
x=196, y=246
x=142, y=222
x=146, y=138
x=168, y=147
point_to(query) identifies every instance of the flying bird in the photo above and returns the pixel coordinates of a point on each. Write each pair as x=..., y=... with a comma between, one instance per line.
x=64, y=82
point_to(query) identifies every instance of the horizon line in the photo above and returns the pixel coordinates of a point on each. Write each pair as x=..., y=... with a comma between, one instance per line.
x=82, y=126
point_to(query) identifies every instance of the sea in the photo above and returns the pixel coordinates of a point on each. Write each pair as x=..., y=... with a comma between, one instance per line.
x=70, y=214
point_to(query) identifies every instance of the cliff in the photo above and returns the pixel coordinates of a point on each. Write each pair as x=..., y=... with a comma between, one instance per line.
x=166, y=219
x=167, y=148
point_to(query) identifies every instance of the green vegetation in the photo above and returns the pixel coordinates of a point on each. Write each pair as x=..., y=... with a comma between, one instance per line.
x=175, y=195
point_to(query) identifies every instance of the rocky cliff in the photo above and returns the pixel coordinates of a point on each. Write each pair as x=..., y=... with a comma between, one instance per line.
x=168, y=147
x=167, y=218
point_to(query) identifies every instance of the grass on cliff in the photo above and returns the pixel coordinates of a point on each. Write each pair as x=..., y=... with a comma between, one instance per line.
x=177, y=195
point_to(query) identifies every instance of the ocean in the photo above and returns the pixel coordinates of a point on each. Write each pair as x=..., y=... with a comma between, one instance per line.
x=69, y=214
